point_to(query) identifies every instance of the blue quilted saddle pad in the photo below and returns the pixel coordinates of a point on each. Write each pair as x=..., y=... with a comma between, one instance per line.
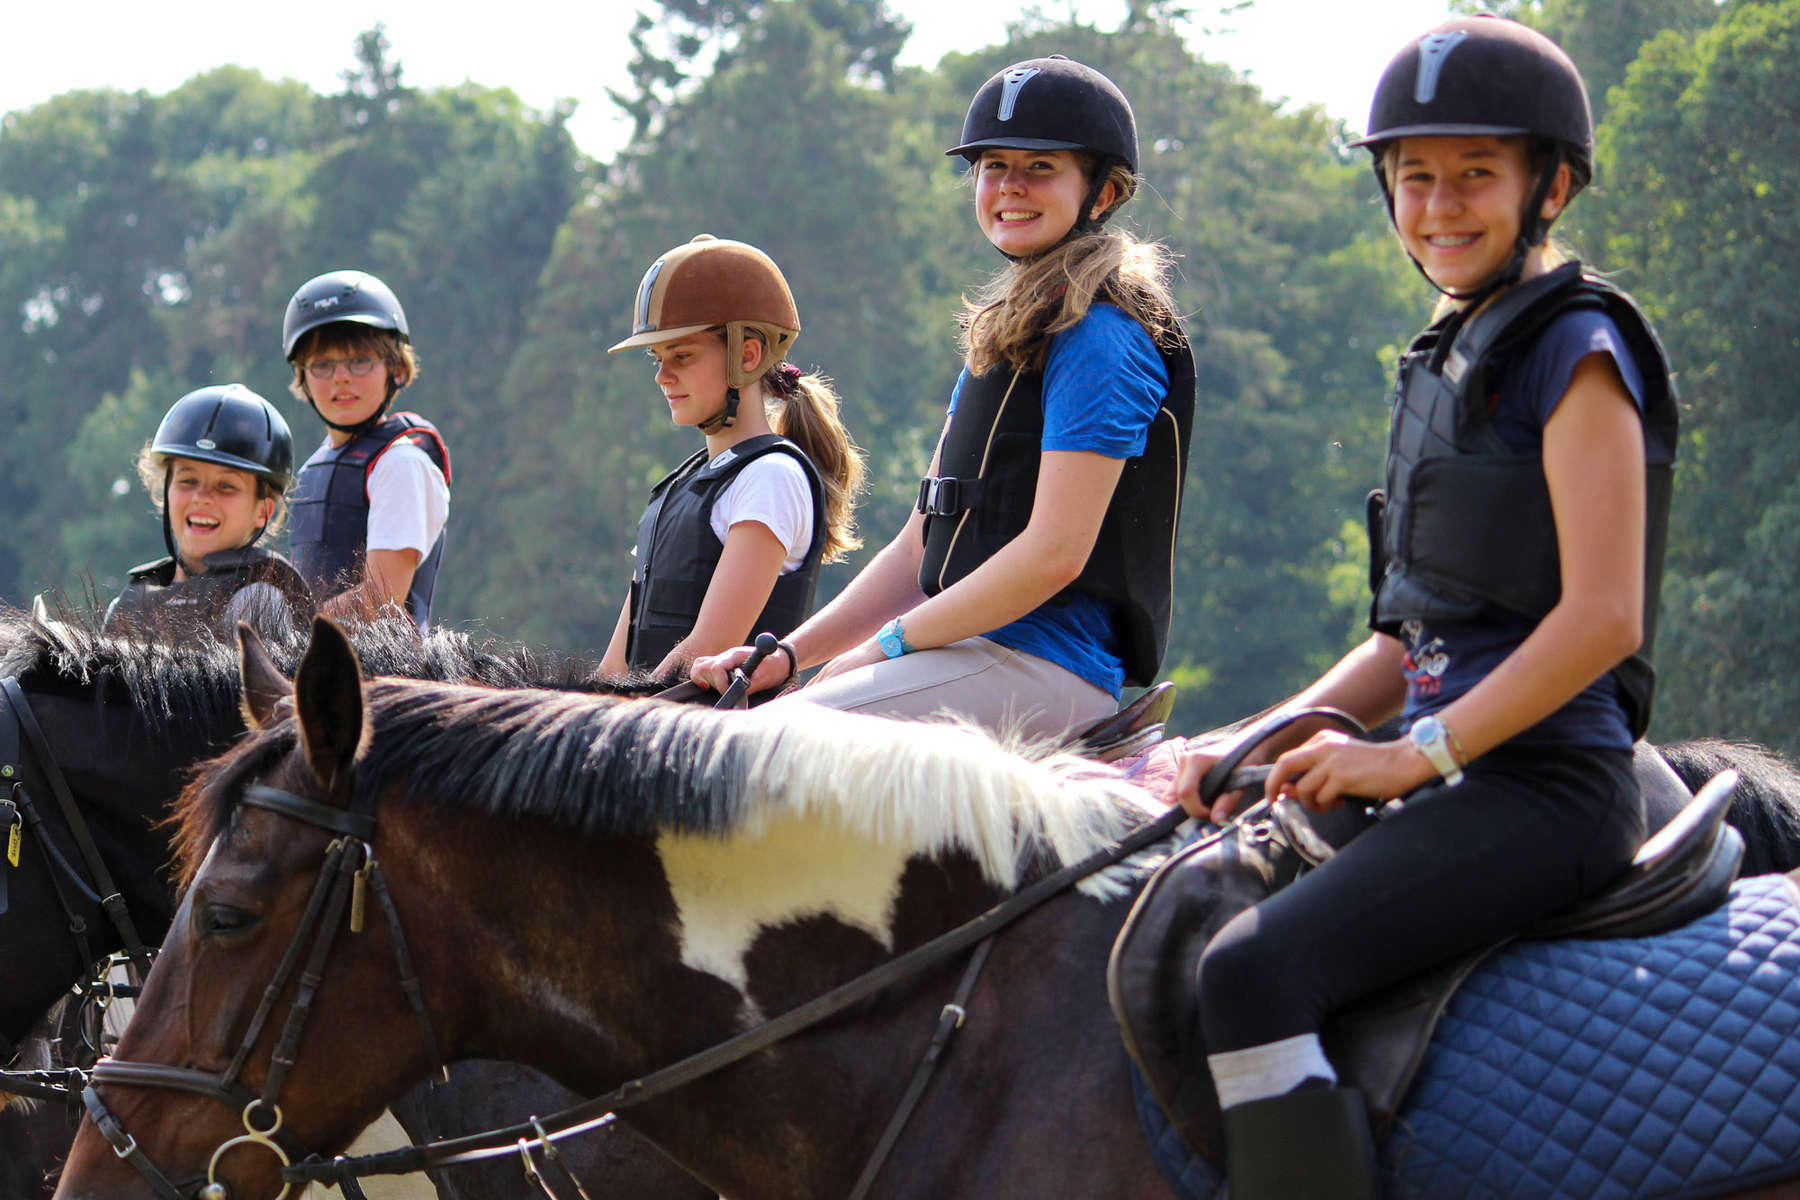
x=1625, y=1067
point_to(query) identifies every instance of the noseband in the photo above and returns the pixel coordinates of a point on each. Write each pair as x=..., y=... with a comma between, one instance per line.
x=349, y=872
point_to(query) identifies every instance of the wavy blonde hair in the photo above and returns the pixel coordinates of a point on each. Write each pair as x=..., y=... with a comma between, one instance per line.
x=1013, y=317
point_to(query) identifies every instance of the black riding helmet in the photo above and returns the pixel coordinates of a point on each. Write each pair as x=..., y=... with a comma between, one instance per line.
x=1485, y=75
x=356, y=297
x=229, y=425
x=1054, y=103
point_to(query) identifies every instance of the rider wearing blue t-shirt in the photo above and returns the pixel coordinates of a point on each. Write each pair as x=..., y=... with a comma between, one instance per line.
x=1518, y=550
x=1033, y=580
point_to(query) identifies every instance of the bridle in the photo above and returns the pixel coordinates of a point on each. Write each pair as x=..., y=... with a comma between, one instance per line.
x=22, y=742
x=348, y=874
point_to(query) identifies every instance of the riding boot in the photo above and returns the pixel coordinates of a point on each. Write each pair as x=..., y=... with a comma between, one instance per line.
x=1311, y=1143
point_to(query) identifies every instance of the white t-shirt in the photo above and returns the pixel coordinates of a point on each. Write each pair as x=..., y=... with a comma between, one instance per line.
x=774, y=491
x=408, y=500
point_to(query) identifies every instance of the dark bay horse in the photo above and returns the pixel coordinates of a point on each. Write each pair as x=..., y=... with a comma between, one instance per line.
x=126, y=718
x=601, y=888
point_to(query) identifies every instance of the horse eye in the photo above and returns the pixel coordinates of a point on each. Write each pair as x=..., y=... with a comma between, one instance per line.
x=220, y=921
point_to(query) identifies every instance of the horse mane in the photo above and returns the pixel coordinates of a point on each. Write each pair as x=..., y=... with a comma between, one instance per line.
x=194, y=676
x=602, y=766
x=1766, y=806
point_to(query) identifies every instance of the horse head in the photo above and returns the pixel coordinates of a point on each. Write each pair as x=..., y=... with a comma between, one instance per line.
x=283, y=917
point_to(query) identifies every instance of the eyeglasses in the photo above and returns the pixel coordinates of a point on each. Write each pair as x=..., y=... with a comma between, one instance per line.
x=325, y=368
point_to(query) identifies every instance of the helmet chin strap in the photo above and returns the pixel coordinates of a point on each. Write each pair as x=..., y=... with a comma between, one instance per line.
x=726, y=417
x=1533, y=230
x=168, y=529
x=1085, y=223
x=367, y=423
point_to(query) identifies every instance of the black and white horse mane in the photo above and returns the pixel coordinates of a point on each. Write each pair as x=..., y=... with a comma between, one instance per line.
x=182, y=673
x=602, y=766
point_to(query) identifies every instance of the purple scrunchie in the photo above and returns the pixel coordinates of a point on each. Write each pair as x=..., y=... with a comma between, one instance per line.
x=784, y=379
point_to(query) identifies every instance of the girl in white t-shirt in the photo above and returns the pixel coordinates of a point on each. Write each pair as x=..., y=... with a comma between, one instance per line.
x=731, y=542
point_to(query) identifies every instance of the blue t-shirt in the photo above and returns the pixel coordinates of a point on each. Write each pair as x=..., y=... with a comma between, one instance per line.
x=1446, y=659
x=1103, y=384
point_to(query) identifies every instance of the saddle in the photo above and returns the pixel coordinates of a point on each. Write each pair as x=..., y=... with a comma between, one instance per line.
x=1377, y=1045
x=1131, y=732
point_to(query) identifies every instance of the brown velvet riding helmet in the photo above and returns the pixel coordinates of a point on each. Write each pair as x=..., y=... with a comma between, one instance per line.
x=713, y=283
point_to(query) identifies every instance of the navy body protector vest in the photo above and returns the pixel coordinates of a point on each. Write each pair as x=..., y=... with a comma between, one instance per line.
x=1465, y=528
x=677, y=552
x=983, y=498
x=154, y=594
x=329, y=534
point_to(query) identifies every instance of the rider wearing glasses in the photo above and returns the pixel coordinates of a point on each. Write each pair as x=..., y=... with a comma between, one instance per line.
x=217, y=470
x=370, y=504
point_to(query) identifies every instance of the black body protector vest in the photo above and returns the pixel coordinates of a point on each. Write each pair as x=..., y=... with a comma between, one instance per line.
x=982, y=500
x=1465, y=528
x=329, y=532
x=154, y=597
x=677, y=552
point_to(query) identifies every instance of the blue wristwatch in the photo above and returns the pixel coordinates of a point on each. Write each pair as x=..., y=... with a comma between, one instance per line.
x=892, y=639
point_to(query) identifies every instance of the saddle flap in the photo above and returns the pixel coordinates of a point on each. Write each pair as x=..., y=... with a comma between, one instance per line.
x=1684, y=870
x=1150, y=983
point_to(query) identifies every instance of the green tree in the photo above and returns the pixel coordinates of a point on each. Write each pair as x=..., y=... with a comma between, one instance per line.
x=1603, y=37
x=1702, y=149
x=785, y=148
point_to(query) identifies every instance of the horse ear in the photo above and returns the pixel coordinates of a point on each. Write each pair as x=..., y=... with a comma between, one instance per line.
x=328, y=701
x=263, y=685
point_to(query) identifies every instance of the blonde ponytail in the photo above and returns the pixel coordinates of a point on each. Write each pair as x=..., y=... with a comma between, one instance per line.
x=804, y=409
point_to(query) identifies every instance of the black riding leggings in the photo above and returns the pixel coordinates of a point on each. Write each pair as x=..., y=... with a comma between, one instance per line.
x=1529, y=831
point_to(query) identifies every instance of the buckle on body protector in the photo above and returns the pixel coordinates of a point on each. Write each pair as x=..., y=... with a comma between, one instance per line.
x=946, y=495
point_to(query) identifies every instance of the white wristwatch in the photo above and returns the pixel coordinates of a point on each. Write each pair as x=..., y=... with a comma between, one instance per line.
x=1432, y=738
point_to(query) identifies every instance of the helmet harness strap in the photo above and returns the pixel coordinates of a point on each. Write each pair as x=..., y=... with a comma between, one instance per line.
x=1085, y=222
x=1533, y=230
x=367, y=423
x=168, y=529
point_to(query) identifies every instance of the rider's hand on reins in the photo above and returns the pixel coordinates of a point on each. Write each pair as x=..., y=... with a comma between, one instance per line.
x=773, y=669
x=1332, y=767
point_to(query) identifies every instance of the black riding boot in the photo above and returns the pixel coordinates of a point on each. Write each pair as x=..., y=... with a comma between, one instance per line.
x=1312, y=1144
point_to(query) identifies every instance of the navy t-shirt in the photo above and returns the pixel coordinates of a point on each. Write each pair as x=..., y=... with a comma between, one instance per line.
x=1446, y=659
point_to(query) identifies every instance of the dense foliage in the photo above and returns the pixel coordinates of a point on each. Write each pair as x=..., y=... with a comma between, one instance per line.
x=148, y=244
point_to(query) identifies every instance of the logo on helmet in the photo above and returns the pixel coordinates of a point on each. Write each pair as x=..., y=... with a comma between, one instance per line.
x=1015, y=80
x=325, y=302
x=206, y=443
x=1434, y=48
x=642, y=322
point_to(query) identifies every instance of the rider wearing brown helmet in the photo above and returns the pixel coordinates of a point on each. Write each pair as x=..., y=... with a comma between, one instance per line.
x=1518, y=552
x=731, y=542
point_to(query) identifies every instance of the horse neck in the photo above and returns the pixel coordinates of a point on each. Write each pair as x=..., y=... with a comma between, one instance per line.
x=122, y=776
x=604, y=961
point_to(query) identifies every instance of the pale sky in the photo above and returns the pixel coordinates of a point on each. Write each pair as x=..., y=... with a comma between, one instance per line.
x=1327, y=52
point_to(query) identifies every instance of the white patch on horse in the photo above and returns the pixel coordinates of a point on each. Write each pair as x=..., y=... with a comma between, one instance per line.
x=934, y=786
x=727, y=890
